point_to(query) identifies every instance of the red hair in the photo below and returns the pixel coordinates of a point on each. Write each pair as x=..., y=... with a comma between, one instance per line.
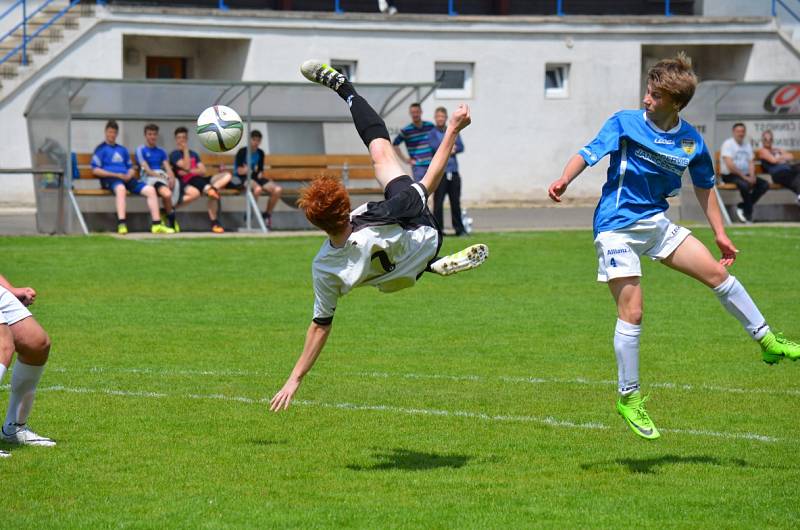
x=326, y=204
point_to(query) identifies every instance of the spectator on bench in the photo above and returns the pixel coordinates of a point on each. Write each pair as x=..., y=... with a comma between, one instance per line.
x=187, y=166
x=156, y=171
x=259, y=184
x=779, y=163
x=112, y=163
x=738, y=168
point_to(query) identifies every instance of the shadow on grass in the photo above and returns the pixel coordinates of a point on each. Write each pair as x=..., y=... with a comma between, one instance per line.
x=651, y=465
x=412, y=461
x=265, y=441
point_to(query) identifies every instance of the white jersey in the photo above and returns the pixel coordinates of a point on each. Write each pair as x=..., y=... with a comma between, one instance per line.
x=389, y=256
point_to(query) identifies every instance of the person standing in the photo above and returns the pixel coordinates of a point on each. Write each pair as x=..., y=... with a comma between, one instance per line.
x=737, y=167
x=451, y=183
x=415, y=136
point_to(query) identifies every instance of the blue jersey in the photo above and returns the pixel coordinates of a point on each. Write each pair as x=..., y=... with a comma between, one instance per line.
x=114, y=158
x=154, y=156
x=646, y=167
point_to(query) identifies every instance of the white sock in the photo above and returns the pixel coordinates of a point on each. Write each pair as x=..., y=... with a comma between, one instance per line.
x=3, y=369
x=626, y=346
x=735, y=299
x=23, y=388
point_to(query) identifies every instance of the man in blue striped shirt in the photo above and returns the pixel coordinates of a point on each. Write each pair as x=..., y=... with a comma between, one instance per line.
x=415, y=136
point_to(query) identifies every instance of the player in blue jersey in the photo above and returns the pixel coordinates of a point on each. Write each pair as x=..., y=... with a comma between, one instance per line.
x=156, y=171
x=650, y=150
x=112, y=163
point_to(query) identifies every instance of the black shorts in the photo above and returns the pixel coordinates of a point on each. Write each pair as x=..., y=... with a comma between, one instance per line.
x=198, y=182
x=403, y=206
x=238, y=184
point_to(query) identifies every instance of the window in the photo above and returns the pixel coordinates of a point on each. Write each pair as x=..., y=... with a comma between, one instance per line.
x=556, y=81
x=455, y=80
x=346, y=67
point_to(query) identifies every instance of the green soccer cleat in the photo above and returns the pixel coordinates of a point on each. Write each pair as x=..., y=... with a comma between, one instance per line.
x=631, y=408
x=161, y=229
x=318, y=72
x=774, y=347
x=469, y=258
x=122, y=229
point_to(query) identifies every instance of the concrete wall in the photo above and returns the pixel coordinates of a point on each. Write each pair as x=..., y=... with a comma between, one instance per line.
x=736, y=8
x=519, y=140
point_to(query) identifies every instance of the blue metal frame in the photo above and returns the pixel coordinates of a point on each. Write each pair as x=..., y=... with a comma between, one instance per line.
x=667, y=11
x=23, y=47
x=222, y=6
x=451, y=8
x=560, y=8
x=788, y=9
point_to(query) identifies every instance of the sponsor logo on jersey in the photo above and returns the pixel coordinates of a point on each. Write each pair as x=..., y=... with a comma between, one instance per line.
x=674, y=164
x=665, y=141
x=116, y=158
x=614, y=251
x=784, y=99
x=592, y=156
x=688, y=145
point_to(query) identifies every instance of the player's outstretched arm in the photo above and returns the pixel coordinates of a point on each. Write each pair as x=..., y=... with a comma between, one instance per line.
x=26, y=295
x=315, y=340
x=708, y=202
x=458, y=121
x=574, y=167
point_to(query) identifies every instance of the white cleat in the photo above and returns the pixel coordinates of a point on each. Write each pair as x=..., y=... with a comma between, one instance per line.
x=22, y=435
x=4, y=454
x=464, y=260
x=318, y=72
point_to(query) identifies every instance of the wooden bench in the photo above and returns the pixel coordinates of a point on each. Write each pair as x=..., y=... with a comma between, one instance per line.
x=294, y=170
x=759, y=170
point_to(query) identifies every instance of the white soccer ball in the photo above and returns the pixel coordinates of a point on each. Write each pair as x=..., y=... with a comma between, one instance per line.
x=219, y=128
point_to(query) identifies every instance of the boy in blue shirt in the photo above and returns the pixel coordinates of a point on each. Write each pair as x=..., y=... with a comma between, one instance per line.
x=156, y=171
x=112, y=163
x=649, y=151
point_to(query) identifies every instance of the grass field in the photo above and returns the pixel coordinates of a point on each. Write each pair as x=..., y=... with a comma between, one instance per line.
x=480, y=400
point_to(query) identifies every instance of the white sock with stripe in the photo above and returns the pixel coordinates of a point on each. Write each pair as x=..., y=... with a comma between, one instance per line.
x=626, y=346
x=735, y=299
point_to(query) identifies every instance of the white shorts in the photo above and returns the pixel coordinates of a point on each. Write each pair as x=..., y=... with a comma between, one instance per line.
x=618, y=251
x=11, y=309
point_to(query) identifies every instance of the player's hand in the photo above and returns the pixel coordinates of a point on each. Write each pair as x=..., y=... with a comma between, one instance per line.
x=26, y=295
x=557, y=189
x=281, y=400
x=461, y=117
x=728, y=250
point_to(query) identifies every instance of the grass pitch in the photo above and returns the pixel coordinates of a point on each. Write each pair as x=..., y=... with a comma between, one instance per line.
x=480, y=400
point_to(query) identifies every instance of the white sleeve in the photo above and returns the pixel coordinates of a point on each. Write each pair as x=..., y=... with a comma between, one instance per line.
x=728, y=148
x=326, y=295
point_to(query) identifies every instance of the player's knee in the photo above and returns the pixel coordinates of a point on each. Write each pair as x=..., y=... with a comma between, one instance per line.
x=36, y=350
x=381, y=151
x=717, y=275
x=257, y=191
x=165, y=192
x=277, y=191
x=148, y=192
x=120, y=191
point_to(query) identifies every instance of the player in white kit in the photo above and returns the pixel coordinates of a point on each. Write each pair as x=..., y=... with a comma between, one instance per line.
x=388, y=244
x=20, y=332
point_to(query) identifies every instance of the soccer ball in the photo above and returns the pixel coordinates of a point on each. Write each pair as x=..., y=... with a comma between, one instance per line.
x=219, y=128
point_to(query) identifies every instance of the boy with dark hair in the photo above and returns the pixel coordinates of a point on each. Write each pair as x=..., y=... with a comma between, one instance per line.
x=650, y=150
x=112, y=163
x=190, y=169
x=388, y=244
x=259, y=184
x=156, y=171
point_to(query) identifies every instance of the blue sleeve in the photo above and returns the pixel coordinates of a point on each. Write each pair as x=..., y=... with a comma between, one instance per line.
x=139, y=157
x=97, y=158
x=76, y=173
x=241, y=156
x=606, y=141
x=126, y=157
x=399, y=139
x=434, y=140
x=174, y=157
x=459, y=144
x=701, y=169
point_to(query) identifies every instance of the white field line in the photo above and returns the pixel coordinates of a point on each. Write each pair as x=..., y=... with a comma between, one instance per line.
x=544, y=420
x=446, y=377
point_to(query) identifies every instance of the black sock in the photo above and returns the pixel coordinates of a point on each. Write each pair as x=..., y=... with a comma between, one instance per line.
x=368, y=124
x=171, y=218
x=266, y=215
x=120, y=220
x=156, y=223
x=346, y=90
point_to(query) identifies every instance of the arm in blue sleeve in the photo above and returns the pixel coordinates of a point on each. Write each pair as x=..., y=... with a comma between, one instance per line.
x=606, y=141
x=459, y=144
x=701, y=169
x=399, y=139
x=434, y=139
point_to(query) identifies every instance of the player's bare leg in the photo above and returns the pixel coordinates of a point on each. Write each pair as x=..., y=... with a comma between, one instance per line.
x=695, y=260
x=385, y=162
x=33, y=348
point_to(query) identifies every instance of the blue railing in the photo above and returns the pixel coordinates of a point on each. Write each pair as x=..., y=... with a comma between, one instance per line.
x=451, y=7
x=22, y=48
x=794, y=14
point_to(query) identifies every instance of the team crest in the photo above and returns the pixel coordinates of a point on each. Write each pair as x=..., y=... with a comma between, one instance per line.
x=688, y=145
